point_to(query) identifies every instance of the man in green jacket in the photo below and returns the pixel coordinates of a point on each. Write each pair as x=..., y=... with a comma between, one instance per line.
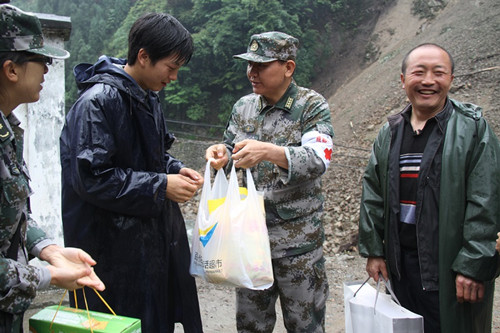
x=429, y=209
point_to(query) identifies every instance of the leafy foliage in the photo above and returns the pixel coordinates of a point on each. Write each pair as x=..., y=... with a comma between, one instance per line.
x=93, y=23
x=212, y=81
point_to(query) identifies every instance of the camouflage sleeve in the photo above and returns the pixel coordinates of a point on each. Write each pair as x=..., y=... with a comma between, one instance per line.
x=18, y=285
x=36, y=242
x=34, y=236
x=311, y=159
x=229, y=135
x=19, y=282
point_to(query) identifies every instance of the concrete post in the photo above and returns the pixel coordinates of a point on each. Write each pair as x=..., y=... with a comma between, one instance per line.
x=42, y=123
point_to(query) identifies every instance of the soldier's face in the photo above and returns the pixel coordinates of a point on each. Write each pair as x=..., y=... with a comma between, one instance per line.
x=31, y=76
x=269, y=79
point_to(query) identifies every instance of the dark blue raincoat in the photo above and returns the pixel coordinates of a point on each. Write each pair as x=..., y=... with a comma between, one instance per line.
x=115, y=161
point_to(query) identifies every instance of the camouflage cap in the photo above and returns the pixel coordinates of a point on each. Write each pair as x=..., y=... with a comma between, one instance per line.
x=21, y=31
x=270, y=46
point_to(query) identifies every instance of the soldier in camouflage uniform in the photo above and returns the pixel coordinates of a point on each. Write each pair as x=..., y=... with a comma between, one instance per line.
x=23, y=60
x=282, y=132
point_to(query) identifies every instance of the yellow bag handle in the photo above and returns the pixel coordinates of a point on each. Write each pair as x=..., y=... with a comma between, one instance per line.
x=86, y=306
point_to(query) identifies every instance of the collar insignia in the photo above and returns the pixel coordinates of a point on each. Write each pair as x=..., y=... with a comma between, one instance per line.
x=289, y=103
x=4, y=130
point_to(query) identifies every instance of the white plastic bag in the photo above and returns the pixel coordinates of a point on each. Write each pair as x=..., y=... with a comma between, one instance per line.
x=230, y=240
x=367, y=311
x=204, y=226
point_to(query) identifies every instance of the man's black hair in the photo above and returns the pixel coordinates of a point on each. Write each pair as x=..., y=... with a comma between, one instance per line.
x=160, y=35
x=405, y=60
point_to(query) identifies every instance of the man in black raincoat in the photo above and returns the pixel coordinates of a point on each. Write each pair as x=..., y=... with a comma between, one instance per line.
x=121, y=186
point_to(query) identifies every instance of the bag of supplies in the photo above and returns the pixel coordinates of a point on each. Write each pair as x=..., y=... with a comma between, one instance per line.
x=368, y=311
x=230, y=244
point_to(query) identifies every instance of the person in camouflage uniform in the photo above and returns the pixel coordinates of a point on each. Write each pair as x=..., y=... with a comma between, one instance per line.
x=283, y=132
x=24, y=59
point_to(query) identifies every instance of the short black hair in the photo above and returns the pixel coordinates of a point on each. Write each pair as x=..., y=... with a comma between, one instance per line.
x=404, y=64
x=160, y=35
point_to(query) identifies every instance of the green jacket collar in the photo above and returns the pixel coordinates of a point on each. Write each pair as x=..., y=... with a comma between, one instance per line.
x=441, y=118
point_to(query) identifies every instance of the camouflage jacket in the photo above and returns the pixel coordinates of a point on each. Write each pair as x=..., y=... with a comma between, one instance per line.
x=299, y=121
x=18, y=280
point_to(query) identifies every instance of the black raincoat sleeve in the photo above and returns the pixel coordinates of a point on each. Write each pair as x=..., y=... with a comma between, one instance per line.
x=173, y=164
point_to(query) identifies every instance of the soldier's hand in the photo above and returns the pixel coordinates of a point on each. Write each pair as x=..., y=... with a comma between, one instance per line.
x=218, y=154
x=249, y=153
x=71, y=268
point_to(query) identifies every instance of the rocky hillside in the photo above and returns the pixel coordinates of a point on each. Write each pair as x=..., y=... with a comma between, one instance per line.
x=363, y=87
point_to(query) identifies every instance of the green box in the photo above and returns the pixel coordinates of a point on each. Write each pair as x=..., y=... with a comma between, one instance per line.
x=71, y=320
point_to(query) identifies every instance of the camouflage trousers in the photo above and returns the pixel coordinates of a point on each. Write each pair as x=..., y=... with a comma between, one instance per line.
x=301, y=284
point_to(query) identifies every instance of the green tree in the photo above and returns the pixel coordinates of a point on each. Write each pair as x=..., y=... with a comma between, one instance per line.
x=212, y=81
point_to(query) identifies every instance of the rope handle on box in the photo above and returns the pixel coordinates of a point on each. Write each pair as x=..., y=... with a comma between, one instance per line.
x=86, y=306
